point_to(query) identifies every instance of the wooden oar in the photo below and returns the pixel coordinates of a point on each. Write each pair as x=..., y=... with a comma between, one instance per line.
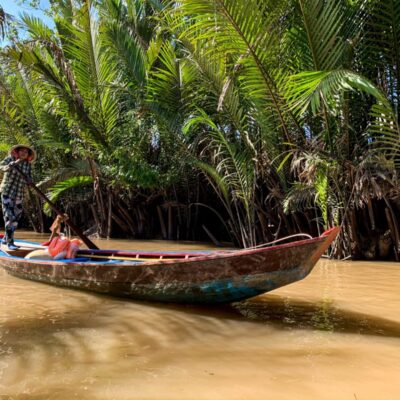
x=78, y=232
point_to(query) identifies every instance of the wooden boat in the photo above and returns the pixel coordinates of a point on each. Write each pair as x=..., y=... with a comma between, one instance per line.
x=192, y=277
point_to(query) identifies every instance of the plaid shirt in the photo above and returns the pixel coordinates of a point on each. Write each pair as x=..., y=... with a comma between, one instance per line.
x=13, y=184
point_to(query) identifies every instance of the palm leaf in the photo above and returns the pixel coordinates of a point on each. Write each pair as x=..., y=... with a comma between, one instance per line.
x=94, y=71
x=384, y=132
x=5, y=20
x=61, y=188
x=245, y=33
x=318, y=88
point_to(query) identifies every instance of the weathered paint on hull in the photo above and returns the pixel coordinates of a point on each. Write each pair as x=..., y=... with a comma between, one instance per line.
x=209, y=279
x=213, y=292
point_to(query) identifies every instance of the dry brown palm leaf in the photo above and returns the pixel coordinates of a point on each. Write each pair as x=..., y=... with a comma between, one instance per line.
x=374, y=178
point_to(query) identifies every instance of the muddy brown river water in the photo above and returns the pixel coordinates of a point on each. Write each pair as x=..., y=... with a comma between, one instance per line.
x=334, y=335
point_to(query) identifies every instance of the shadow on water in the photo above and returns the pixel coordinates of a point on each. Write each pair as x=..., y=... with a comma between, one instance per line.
x=183, y=321
x=284, y=313
x=74, y=336
x=190, y=321
x=323, y=315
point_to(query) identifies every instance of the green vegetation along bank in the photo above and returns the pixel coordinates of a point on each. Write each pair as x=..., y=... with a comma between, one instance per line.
x=211, y=119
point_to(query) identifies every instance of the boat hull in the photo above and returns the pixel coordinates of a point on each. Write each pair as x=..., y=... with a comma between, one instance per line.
x=212, y=279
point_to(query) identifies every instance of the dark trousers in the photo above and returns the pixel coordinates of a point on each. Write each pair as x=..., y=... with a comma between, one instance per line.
x=12, y=211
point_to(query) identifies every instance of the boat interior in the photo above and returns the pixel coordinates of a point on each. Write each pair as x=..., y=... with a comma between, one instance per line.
x=100, y=256
x=22, y=252
x=16, y=253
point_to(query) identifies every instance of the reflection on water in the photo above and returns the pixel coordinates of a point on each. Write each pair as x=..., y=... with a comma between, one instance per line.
x=334, y=335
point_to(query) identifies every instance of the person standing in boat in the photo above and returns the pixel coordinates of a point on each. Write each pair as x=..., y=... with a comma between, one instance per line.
x=13, y=186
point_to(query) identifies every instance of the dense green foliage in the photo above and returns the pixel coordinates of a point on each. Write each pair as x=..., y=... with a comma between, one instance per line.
x=269, y=117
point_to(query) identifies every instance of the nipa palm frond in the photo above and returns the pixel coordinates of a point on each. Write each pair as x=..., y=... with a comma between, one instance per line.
x=245, y=33
x=384, y=132
x=61, y=188
x=317, y=88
